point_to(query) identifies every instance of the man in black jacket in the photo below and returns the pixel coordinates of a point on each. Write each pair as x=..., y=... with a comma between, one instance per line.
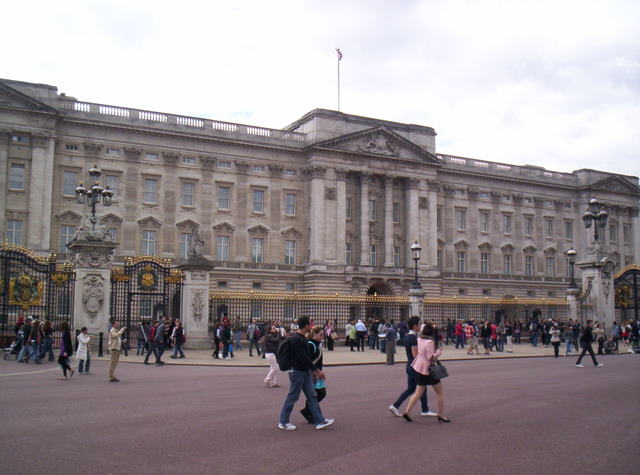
x=301, y=377
x=585, y=341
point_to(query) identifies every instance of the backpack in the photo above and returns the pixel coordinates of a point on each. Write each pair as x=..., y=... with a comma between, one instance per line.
x=152, y=334
x=284, y=355
x=256, y=333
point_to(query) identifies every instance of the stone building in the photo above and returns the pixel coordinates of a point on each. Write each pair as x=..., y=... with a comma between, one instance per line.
x=330, y=203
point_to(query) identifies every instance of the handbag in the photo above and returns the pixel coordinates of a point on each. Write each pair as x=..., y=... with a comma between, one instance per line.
x=437, y=370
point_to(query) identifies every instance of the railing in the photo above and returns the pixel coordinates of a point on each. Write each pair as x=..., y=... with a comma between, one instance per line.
x=478, y=276
x=159, y=119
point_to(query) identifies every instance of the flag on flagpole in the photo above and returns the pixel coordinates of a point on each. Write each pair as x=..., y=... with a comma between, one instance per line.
x=339, y=54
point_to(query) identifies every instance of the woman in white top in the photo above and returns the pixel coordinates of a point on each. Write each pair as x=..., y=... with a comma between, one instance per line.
x=82, y=354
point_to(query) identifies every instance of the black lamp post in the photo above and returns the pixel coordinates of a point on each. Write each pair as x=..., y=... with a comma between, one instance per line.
x=571, y=257
x=596, y=215
x=415, y=251
x=94, y=195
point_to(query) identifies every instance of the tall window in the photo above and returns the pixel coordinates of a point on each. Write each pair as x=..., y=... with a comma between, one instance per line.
x=69, y=180
x=550, y=266
x=528, y=225
x=148, y=243
x=14, y=231
x=16, y=177
x=507, y=260
x=506, y=223
x=150, y=189
x=188, y=190
x=461, y=219
x=484, y=263
x=373, y=257
x=222, y=248
x=568, y=229
x=112, y=182
x=396, y=212
x=257, y=250
x=291, y=204
x=461, y=261
x=439, y=259
x=613, y=233
x=626, y=233
x=348, y=254
x=373, y=210
x=224, y=193
x=185, y=242
x=114, y=234
x=290, y=252
x=484, y=222
x=66, y=234
x=528, y=266
x=396, y=256
x=258, y=201
x=439, y=219
x=348, y=206
x=548, y=227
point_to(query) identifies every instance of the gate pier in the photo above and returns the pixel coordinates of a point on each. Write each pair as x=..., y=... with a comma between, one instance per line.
x=195, y=302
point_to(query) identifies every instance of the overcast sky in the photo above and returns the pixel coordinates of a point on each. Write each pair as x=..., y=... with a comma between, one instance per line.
x=549, y=83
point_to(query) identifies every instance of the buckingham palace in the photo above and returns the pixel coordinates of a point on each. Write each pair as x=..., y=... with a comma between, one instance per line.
x=330, y=203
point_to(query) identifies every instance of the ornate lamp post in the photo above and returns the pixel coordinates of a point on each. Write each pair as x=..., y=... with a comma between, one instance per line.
x=596, y=215
x=571, y=257
x=94, y=194
x=415, y=251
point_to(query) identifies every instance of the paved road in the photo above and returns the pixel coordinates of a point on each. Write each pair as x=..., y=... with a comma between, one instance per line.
x=524, y=416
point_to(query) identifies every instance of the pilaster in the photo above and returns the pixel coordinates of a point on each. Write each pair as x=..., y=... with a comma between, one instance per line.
x=341, y=211
x=364, y=218
x=413, y=215
x=195, y=305
x=5, y=135
x=388, y=221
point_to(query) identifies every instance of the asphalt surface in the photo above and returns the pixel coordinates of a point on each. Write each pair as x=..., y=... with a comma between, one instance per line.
x=510, y=416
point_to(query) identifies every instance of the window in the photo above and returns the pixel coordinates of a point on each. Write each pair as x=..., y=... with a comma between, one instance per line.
x=224, y=164
x=188, y=190
x=626, y=233
x=549, y=266
x=613, y=233
x=461, y=258
x=148, y=243
x=396, y=256
x=568, y=230
x=222, y=248
x=461, y=219
x=257, y=250
x=484, y=195
x=289, y=172
x=291, y=204
x=258, y=201
x=528, y=200
x=484, y=263
x=506, y=223
x=151, y=156
x=66, y=234
x=112, y=182
x=459, y=192
x=222, y=284
x=185, y=242
x=348, y=254
x=396, y=212
x=548, y=227
x=20, y=139
x=484, y=222
x=224, y=194
x=112, y=151
x=507, y=259
x=69, y=180
x=547, y=203
x=373, y=210
x=348, y=204
x=150, y=187
x=16, y=177
x=289, y=286
x=71, y=147
x=290, y=252
x=258, y=169
x=14, y=231
x=256, y=285
x=439, y=219
x=528, y=225
x=506, y=198
x=528, y=266
x=113, y=232
x=373, y=257
x=189, y=160
x=439, y=259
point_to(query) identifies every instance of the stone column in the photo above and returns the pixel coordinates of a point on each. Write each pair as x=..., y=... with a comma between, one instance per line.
x=413, y=225
x=316, y=215
x=416, y=297
x=597, y=282
x=635, y=232
x=195, y=304
x=388, y=221
x=431, y=246
x=39, y=221
x=572, y=299
x=5, y=135
x=341, y=211
x=364, y=218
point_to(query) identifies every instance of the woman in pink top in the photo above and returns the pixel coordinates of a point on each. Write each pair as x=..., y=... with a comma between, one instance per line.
x=427, y=350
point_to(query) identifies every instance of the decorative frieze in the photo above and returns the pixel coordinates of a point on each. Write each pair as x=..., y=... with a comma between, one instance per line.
x=242, y=166
x=208, y=163
x=276, y=170
x=40, y=140
x=315, y=171
x=170, y=158
x=130, y=154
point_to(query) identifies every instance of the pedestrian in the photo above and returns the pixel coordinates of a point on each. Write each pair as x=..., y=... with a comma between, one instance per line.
x=361, y=332
x=610, y=347
x=143, y=338
x=47, y=346
x=25, y=336
x=271, y=344
x=392, y=337
x=177, y=338
x=301, y=376
x=598, y=335
x=237, y=333
x=353, y=339
x=554, y=336
x=225, y=334
x=330, y=335
x=37, y=338
x=66, y=351
x=485, y=334
x=428, y=350
x=494, y=337
x=315, y=352
x=451, y=332
x=161, y=339
x=83, y=355
x=568, y=337
x=411, y=349
x=151, y=343
x=517, y=331
x=115, y=346
x=586, y=339
x=253, y=335
x=534, y=331
x=347, y=333
x=508, y=333
x=382, y=335
x=471, y=337
x=616, y=333
x=500, y=334
x=458, y=332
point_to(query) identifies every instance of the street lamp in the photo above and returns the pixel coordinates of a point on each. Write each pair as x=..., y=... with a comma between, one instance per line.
x=596, y=215
x=415, y=251
x=94, y=194
x=571, y=257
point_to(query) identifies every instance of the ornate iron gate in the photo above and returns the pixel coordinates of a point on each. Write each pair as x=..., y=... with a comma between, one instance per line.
x=145, y=288
x=33, y=285
x=627, y=290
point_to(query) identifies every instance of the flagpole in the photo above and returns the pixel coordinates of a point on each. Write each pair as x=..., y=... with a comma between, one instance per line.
x=339, y=58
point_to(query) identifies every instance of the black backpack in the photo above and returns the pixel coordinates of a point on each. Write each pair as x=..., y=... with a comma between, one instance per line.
x=284, y=355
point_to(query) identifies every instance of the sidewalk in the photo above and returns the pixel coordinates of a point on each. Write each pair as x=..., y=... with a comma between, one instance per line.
x=341, y=356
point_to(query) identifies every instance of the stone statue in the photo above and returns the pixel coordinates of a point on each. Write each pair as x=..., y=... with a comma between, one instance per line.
x=196, y=246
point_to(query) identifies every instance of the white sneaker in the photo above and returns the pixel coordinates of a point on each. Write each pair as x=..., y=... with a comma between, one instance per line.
x=580, y=366
x=326, y=423
x=428, y=413
x=599, y=365
x=287, y=426
x=395, y=411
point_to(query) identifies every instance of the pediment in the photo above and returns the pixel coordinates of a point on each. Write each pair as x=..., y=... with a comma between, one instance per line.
x=14, y=99
x=529, y=249
x=616, y=184
x=188, y=224
x=550, y=251
x=69, y=215
x=378, y=142
x=291, y=232
x=224, y=227
x=111, y=219
x=507, y=247
x=485, y=246
x=259, y=229
x=150, y=221
x=462, y=244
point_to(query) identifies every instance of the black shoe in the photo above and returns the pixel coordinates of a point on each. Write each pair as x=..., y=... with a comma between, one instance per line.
x=173, y=357
x=443, y=419
x=406, y=417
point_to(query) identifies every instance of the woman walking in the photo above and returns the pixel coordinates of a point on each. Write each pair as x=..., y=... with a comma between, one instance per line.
x=47, y=348
x=66, y=350
x=508, y=332
x=315, y=337
x=598, y=335
x=177, y=338
x=82, y=354
x=271, y=344
x=555, y=339
x=428, y=350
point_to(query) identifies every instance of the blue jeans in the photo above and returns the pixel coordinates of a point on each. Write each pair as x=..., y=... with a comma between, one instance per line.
x=25, y=351
x=459, y=342
x=238, y=338
x=47, y=347
x=301, y=381
x=373, y=341
x=253, y=342
x=534, y=338
x=141, y=347
x=569, y=347
x=177, y=348
x=84, y=365
x=412, y=382
x=35, y=353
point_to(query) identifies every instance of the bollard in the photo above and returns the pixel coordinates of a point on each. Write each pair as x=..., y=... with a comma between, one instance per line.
x=100, y=341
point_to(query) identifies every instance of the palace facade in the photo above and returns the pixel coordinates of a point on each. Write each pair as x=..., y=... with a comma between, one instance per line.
x=330, y=203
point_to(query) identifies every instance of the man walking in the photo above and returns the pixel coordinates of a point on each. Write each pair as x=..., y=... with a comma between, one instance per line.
x=585, y=341
x=115, y=346
x=253, y=335
x=301, y=377
x=411, y=348
x=160, y=340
